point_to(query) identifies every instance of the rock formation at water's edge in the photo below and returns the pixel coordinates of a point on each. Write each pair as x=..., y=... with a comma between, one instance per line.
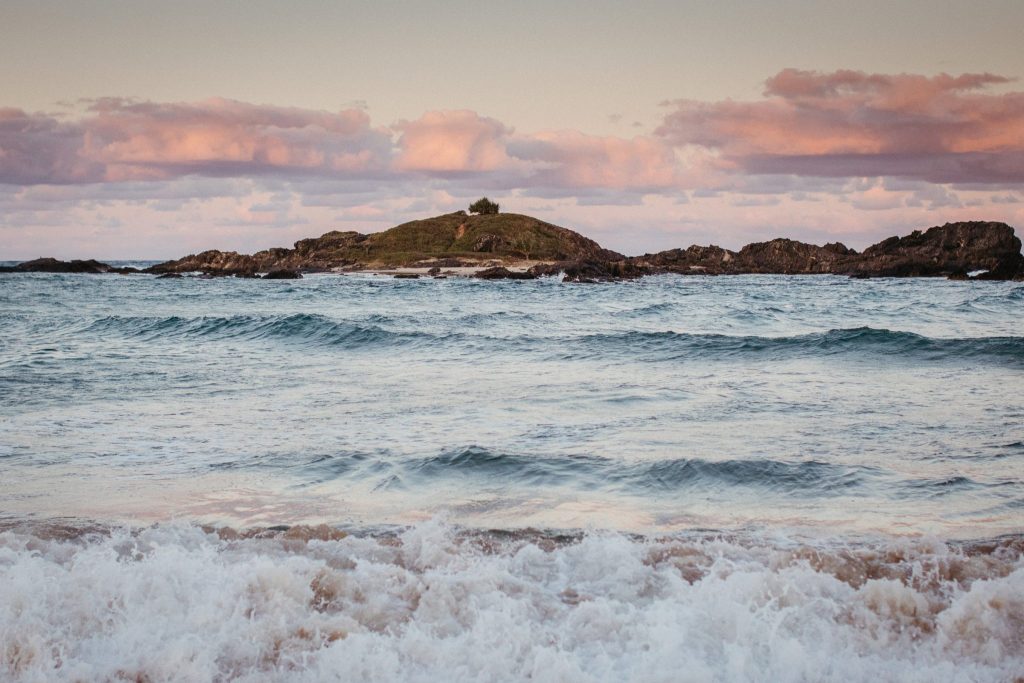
x=512, y=246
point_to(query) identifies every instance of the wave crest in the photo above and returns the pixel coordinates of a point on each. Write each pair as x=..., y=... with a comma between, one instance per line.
x=318, y=330
x=312, y=329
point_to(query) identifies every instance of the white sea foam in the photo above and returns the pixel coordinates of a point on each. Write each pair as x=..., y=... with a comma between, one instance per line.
x=435, y=604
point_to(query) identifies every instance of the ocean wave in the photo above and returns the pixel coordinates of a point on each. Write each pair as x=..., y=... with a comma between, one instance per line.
x=310, y=329
x=594, y=473
x=319, y=330
x=428, y=603
x=858, y=340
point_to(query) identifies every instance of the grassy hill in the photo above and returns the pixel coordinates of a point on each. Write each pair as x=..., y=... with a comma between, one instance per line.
x=505, y=236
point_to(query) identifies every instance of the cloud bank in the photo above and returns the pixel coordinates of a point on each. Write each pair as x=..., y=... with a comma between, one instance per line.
x=897, y=146
x=848, y=123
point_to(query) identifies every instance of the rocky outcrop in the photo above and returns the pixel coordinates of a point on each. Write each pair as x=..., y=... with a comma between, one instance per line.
x=52, y=265
x=692, y=260
x=790, y=257
x=593, y=270
x=212, y=262
x=943, y=251
x=953, y=249
x=780, y=256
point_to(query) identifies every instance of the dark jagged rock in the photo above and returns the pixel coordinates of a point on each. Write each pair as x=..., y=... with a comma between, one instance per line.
x=407, y=276
x=943, y=250
x=212, y=262
x=694, y=260
x=780, y=256
x=283, y=275
x=545, y=269
x=168, y=275
x=940, y=251
x=788, y=257
x=589, y=271
x=502, y=273
x=602, y=271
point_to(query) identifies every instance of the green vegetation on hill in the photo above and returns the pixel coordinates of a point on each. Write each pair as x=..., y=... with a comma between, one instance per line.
x=501, y=236
x=507, y=237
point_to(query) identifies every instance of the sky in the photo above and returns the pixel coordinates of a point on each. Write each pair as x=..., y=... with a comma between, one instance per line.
x=150, y=130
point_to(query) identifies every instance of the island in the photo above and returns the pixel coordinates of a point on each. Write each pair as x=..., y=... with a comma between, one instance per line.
x=495, y=245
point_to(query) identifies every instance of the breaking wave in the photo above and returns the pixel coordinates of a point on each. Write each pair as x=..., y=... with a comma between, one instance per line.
x=433, y=603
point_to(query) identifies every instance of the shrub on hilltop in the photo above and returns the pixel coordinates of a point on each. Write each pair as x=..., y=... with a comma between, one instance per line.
x=484, y=206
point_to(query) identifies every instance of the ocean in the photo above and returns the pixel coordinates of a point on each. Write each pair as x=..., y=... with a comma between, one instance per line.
x=356, y=478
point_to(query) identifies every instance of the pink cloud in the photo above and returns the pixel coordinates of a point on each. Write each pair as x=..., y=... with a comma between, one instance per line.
x=142, y=140
x=848, y=123
x=572, y=159
x=120, y=141
x=451, y=142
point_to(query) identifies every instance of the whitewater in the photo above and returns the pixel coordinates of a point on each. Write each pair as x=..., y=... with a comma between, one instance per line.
x=353, y=477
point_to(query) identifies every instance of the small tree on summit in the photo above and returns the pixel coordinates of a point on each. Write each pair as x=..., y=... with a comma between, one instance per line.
x=483, y=205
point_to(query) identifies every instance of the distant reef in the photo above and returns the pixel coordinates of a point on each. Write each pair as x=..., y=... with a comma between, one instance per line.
x=513, y=246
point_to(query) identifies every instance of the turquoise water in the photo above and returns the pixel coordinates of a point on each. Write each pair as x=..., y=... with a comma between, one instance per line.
x=745, y=478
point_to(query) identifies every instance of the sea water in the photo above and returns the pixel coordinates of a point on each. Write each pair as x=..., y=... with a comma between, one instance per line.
x=362, y=478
